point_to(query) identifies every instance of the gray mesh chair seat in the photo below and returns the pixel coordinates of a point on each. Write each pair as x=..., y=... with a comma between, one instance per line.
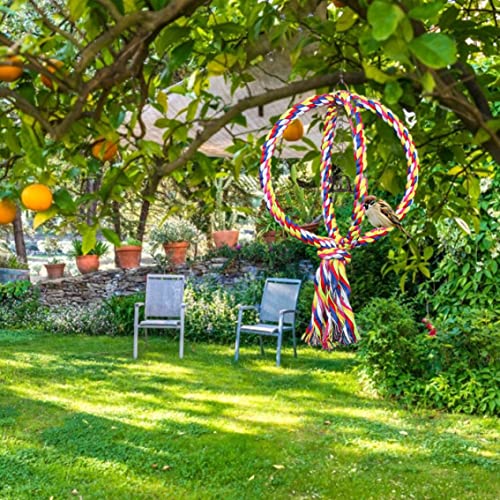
x=276, y=315
x=163, y=307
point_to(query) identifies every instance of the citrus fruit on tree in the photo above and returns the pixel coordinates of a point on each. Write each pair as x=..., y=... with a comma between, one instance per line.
x=37, y=197
x=294, y=131
x=9, y=73
x=52, y=66
x=8, y=211
x=104, y=150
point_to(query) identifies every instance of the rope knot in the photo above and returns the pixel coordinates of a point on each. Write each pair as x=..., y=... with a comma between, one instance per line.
x=335, y=254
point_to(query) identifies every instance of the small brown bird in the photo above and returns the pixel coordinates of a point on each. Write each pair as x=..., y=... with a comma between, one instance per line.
x=381, y=214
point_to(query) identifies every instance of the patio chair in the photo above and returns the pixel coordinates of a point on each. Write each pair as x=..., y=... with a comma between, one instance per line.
x=164, y=307
x=276, y=314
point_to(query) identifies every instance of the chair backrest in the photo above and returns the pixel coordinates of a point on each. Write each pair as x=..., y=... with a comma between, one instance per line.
x=164, y=295
x=279, y=293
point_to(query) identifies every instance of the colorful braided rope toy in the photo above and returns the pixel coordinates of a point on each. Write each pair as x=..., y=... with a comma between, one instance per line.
x=332, y=317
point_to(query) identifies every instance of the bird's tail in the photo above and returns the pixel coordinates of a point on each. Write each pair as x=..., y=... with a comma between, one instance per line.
x=400, y=226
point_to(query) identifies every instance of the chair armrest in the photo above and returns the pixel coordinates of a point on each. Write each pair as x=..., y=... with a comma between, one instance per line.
x=247, y=308
x=282, y=316
x=138, y=304
x=241, y=309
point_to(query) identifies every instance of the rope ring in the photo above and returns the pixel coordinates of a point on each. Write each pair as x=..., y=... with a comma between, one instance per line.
x=351, y=103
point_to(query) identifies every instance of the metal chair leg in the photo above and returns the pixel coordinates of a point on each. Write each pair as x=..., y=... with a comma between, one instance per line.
x=237, y=344
x=294, y=341
x=261, y=345
x=136, y=341
x=278, y=348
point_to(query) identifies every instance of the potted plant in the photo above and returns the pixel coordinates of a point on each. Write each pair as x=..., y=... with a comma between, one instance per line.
x=223, y=218
x=54, y=267
x=302, y=202
x=175, y=234
x=265, y=226
x=128, y=253
x=268, y=229
x=88, y=262
x=12, y=269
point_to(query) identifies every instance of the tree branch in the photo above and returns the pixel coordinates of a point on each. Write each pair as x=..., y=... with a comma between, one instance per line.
x=213, y=126
x=26, y=107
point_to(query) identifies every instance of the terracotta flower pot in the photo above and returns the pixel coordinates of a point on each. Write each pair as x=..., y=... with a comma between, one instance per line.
x=129, y=256
x=176, y=252
x=269, y=237
x=55, y=271
x=87, y=263
x=229, y=238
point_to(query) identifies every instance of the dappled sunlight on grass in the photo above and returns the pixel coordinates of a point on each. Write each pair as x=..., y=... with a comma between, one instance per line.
x=79, y=413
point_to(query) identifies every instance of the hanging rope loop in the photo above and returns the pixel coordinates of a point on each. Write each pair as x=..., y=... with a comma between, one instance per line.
x=332, y=318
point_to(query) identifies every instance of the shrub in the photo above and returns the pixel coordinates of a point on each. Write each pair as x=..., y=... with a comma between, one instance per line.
x=388, y=351
x=120, y=311
x=454, y=370
x=19, y=305
x=212, y=309
x=280, y=259
x=73, y=319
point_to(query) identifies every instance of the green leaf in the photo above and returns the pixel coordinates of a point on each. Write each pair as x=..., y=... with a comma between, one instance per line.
x=42, y=217
x=170, y=36
x=12, y=141
x=181, y=53
x=376, y=74
x=119, y=5
x=89, y=239
x=392, y=92
x=482, y=135
x=346, y=20
x=111, y=236
x=129, y=5
x=64, y=202
x=424, y=270
x=426, y=12
x=76, y=8
x=163, y=101
x=221, y=63
x=427, y=82
x=434, y=50
x=396, y=48
x=384, y=18
x=428, y=252
x=158, y=4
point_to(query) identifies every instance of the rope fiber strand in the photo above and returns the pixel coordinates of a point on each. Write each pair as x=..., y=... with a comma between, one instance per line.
x=332, y=318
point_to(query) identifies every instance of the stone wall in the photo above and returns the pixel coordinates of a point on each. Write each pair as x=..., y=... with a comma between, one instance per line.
x=94, y=287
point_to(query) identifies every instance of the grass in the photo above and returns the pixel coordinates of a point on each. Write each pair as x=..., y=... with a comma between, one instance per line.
x=78, y=418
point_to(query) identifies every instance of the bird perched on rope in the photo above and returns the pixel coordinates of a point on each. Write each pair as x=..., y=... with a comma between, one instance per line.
x=381, y=214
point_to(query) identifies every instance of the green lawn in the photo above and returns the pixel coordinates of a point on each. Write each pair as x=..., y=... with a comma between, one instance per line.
x=79, y=417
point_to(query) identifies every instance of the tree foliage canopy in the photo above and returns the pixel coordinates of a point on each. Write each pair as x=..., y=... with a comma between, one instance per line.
x=434, y=60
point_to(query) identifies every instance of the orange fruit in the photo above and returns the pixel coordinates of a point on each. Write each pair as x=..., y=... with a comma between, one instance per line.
x=294, y=131
x=52, y=66
x=104, y=150
x=8, y=211
x=37, y=197
x=10, y=73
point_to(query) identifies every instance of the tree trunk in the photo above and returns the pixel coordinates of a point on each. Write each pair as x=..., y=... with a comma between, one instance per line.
x=150, y=190
x=117, y=224
x=19, y=238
